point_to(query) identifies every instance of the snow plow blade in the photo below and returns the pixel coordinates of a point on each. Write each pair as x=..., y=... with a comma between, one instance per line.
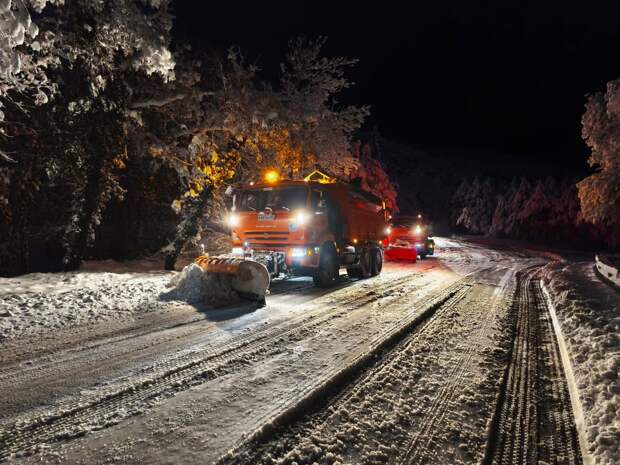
x=249, y=278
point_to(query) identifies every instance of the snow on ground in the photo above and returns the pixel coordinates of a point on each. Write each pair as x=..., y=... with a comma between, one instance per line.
x=588, y=311
x=195, y=286
x=38, y=302
x=102, y=290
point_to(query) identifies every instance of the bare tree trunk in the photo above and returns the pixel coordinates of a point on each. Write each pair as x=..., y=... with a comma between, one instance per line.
x=94, y=201
x=189, y=226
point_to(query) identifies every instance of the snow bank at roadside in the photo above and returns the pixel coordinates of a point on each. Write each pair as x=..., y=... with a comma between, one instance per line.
x=40, y=302
x=37, y=303
x=588, y=311
x=193, y=285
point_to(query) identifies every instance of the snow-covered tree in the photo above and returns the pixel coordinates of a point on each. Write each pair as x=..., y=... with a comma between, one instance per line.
x=25, y=56
x=599, y=193
x=95, y=33
x=311, y=83
x=467, y=216
x=478, y=205
x=458, y=201
x=517, y=204
x=502, y=210
x=77, y=140
x=371, y=176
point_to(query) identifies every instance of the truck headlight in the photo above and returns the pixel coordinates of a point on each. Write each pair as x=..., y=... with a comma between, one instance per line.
x=301, y=217
x=298, y=252
x=232, y=220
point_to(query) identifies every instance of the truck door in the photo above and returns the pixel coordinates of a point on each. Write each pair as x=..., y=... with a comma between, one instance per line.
x=335, y=219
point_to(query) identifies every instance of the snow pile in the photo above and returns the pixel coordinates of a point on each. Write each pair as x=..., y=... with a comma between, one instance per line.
x=195, y=286
x=38, y=302
x=588, y=311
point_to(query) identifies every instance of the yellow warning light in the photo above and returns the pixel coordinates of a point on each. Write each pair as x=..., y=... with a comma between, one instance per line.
x=272, y=176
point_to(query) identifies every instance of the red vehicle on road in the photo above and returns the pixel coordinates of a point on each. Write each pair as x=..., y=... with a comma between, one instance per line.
x=407, y=239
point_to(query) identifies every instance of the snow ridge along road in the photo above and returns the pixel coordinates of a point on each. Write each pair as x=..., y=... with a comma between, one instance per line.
x=534, y=422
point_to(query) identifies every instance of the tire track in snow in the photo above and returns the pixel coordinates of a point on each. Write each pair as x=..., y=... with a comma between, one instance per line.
x=533, y=422
x=311, y=433
x=419, y=448
x=340, y=379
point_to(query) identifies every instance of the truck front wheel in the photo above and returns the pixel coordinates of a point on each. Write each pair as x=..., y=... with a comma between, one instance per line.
x=327, y=271
x=366, y=263
x=377, y=261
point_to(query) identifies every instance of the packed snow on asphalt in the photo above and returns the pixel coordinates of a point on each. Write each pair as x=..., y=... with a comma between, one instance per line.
x=486, y=353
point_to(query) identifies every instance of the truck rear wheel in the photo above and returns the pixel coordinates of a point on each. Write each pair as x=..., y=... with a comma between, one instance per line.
x=377, y=261
x=327, y=271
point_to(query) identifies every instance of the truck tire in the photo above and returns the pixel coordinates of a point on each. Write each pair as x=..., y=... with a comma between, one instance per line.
x=354, y=272
x=327, y=271
x=377, y=261
x=365, y=264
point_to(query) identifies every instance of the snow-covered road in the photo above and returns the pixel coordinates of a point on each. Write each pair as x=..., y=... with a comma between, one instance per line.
x=434, y=362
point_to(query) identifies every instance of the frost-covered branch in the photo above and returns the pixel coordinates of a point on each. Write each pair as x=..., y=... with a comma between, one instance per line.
x=157, y=102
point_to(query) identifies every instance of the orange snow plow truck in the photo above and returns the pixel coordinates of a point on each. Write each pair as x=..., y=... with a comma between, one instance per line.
x=312, y=227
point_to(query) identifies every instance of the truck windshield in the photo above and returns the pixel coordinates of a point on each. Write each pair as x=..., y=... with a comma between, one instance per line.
x=404, y=221
x=276, y=198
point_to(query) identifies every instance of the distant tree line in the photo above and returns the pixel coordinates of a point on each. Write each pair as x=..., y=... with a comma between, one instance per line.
x=577, y=212
x=540, y=210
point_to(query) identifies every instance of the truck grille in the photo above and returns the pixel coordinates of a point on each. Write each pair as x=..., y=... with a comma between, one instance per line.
x=267, y=235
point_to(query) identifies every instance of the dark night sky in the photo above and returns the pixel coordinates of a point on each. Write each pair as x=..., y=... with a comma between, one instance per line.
x=506, y=76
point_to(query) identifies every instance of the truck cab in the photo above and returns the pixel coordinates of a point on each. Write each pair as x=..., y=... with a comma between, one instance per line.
x=408, y=238
x=308, y=228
